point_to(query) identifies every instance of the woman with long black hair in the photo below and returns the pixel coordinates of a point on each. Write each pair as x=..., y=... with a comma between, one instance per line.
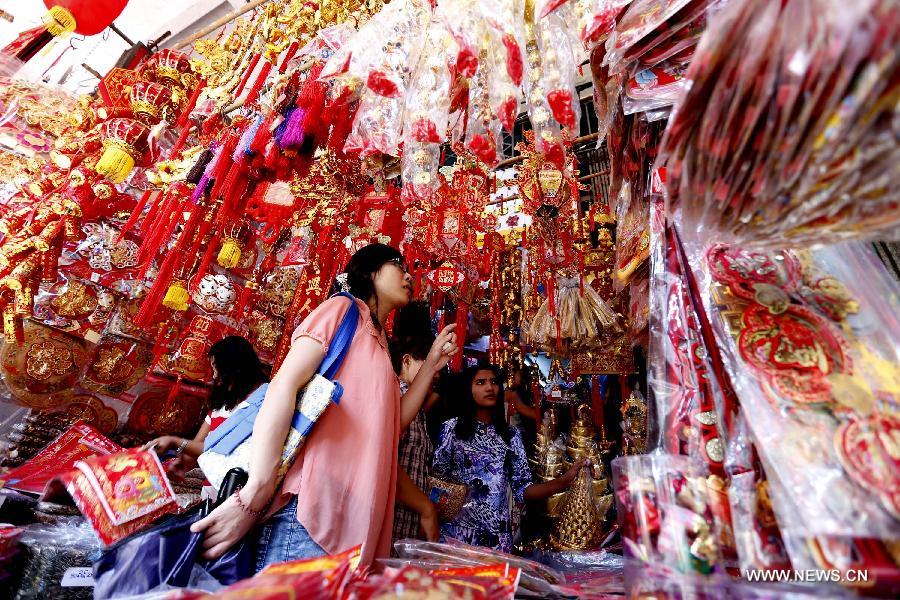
x=236, y=372
x=340, y=491
x=480, y=450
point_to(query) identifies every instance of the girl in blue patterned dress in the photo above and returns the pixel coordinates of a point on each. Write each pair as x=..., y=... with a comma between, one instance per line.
x=479, y=449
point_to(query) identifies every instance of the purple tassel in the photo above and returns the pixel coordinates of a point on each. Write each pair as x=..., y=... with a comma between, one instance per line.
x=243, y=147
x=293, y=130
x=204, y=183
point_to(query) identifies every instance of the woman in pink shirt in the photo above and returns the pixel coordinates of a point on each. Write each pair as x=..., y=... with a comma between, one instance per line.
x=340, y=492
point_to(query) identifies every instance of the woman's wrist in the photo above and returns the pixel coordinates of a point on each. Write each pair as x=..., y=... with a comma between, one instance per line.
x=428, y=509
x=181, y=446
x=257, y=493
x=250, y=507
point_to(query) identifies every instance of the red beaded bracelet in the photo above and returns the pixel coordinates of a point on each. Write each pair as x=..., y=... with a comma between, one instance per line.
x=247, y=509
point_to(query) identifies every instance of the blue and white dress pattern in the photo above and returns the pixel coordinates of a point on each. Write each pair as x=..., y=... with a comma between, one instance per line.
x=491, y=468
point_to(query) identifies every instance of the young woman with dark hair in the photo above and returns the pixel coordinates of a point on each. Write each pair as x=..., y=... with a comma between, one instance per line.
x=340, y=491
x=236, y=372
x=480, y=450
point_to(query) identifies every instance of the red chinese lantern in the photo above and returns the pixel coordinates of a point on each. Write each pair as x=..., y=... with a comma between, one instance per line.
x=85, y=17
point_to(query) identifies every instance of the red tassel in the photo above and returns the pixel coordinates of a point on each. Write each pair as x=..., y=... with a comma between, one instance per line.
x=342, y=125
x=220, y=171
x=234, y=172
x=207, y=259
x=291, y=51
x=173, y=394
x=312, y=100
x=253, y=94
x=250, y=68
x=179, y=144
x=262, y=136
x=191, y=103
x=158, y=208
x=462, y=323
x=152, y=300
x=205, y=228
x=137, y=212
x=551, y=294
x=158, y=239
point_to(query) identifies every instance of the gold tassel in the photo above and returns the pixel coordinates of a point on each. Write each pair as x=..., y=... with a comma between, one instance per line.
x=59, y=21
x=115, y=163
x=9, y=324
x=230, y=254
x=177, y=296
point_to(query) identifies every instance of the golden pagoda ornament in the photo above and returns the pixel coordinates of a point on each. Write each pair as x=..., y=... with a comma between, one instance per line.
x=580, y=522
x=579, y=514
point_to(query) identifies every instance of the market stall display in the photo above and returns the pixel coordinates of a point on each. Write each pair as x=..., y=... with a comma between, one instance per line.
x=674, y=264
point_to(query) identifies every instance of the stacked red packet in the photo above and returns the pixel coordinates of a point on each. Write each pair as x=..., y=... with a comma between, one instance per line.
x=77, y=443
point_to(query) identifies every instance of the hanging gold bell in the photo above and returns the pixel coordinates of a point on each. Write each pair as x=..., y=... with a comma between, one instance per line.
x=177, y=296
x=230, y=253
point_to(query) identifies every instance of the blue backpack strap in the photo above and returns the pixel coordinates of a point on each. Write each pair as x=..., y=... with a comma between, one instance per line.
x=340, y=343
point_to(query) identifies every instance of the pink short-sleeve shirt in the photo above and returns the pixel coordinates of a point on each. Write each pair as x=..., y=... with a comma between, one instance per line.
x=345, y=477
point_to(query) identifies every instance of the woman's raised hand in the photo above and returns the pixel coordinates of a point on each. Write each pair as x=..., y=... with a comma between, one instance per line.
x=443, y=348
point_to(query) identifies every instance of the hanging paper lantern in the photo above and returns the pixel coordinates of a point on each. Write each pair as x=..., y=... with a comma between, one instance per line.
x=149, y=101
x=124, y=141
x=86, y=17
x=549, y=182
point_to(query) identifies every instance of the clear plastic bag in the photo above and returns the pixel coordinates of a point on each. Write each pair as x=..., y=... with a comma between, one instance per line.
x=419, y=171
x=535, y=576
x=654, y=88
x=483, y=130
x=504, y=94
x=666, y=511
x=558, y=64
x=428, y=97
x=376, y=127
x=58, y=561
x=506, y=20
x=831, y=315
x=802, y=114
x=463, y=19
x=641, y=18
x=593, y=20
x=382, y=54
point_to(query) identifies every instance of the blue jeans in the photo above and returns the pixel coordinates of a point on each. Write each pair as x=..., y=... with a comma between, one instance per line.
x=283, y=538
